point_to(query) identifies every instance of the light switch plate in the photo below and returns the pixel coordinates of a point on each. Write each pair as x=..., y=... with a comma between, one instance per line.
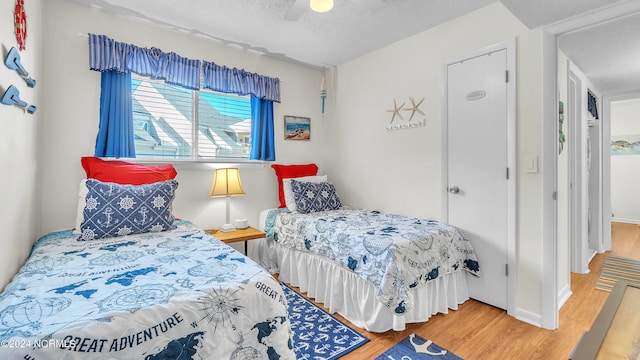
x=531, y=165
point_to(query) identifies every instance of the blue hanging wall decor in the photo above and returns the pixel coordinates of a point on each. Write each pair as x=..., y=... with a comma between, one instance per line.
x=12, y=61
x=11, y=96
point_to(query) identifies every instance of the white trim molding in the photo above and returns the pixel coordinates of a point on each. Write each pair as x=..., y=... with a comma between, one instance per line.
x=563, y=295
x=549, y=183
x=529, y=317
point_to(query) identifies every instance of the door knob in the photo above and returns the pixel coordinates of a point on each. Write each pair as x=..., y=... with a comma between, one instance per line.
x=454, y=189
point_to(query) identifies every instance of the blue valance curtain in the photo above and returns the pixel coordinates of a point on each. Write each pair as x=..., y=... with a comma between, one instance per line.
x=110, y=56
x=107, y=54
x=240, y=82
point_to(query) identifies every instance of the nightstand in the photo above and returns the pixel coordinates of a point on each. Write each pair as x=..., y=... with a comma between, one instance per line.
x=237, y=235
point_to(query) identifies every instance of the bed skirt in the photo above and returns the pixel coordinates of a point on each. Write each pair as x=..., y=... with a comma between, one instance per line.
x=342, y=291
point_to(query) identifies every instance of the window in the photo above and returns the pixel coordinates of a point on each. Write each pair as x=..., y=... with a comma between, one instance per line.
x=172, y=122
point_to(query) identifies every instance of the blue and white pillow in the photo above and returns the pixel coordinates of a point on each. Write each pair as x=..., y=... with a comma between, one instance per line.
x=115, y=210
x=312, y=197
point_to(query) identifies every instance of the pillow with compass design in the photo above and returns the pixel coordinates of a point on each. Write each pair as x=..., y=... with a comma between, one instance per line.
x=116, y=210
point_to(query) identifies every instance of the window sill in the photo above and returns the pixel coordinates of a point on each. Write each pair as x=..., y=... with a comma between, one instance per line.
x=207, y=165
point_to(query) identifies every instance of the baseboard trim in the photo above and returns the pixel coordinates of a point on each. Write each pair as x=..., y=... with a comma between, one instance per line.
x=563, y=295
x=529, y=317
x=628, y=221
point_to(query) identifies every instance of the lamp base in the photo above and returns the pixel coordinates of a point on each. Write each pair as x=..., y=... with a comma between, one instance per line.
x=227, y=228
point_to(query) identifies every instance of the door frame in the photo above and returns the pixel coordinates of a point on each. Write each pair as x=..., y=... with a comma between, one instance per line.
x=510, y=47
x=583, y=224
x=550, y=298
x=549, y=279
x=577, y=147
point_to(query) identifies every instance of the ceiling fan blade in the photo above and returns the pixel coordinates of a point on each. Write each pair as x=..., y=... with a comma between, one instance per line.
x=295, y=11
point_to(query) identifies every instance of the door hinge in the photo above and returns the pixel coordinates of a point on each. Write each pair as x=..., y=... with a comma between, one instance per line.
x=506, y=76
x=506, y=269
x=555, y=195
x=507, y=173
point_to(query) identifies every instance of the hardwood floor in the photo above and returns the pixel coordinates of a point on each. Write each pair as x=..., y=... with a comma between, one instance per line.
x=480, y=331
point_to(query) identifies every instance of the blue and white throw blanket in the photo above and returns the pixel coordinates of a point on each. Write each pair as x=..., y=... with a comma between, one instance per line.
x=394, y=253
x=179, y=294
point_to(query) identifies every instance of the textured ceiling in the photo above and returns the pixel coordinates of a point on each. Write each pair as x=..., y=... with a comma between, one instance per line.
x=289, y=30
x=536, y=13
x=352, y=28
x=608, y=54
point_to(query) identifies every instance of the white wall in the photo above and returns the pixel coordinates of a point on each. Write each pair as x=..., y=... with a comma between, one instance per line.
x=625, y=169
x=19, y=194
x=71, y=111
x=400, y=171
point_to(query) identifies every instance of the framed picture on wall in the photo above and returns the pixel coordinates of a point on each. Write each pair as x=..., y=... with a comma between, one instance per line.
x=297, y=128
x=625, y=144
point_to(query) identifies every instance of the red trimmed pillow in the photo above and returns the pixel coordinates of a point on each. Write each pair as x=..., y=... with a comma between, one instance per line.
x=122, y=172
x=291, y=171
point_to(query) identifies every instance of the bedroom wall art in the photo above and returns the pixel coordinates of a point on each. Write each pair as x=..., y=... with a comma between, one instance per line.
x=20, y=24
x=12, y=61
x=625, y=145
x=297, y=128
x=11, y=96
x=410, y=122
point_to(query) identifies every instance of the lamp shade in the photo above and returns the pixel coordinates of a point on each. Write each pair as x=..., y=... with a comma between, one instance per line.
x=226, y=182
x=321, y=5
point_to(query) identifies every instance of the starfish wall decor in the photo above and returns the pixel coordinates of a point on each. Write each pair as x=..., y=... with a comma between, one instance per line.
x=395, y=111
x=414, y=108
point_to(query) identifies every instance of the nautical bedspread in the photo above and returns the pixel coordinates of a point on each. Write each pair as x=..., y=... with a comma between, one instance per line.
x=179, y=294
x=394, y=253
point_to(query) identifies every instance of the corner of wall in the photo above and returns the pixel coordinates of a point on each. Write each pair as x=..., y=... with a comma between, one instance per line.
x=20, y=209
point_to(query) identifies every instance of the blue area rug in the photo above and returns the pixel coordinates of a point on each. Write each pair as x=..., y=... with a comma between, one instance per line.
x=413, y=347
x=316, y=333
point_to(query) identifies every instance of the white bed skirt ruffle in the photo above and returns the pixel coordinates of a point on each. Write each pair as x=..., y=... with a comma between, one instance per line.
x=344, y=292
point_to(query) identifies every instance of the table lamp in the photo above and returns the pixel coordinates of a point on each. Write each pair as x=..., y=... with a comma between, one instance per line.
x=226, y=182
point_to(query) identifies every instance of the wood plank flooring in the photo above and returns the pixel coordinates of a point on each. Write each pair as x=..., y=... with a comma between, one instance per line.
x=480, y=331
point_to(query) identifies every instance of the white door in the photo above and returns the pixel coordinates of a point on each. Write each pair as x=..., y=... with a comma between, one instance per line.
x=477, y=150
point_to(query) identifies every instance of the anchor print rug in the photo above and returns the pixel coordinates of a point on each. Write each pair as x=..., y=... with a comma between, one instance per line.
x=413, y=347
x=316, y=333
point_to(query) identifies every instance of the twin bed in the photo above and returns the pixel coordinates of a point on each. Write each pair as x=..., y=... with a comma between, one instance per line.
x=176, y=294
x=133, y=282
x=378, y=270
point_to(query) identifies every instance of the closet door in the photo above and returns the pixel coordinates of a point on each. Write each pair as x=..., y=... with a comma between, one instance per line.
x=477, y=148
